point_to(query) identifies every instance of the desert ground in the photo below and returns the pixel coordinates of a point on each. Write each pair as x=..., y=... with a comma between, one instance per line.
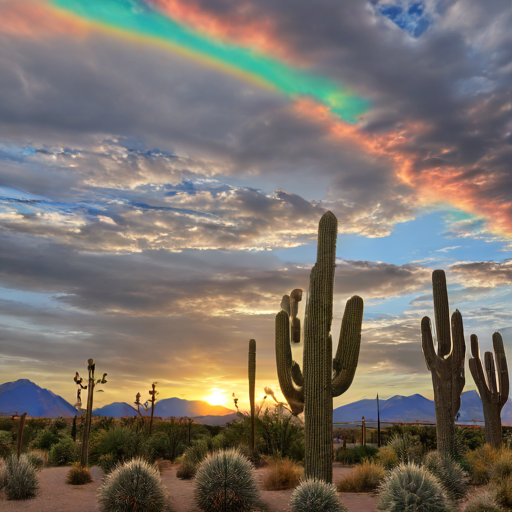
x=55, y=495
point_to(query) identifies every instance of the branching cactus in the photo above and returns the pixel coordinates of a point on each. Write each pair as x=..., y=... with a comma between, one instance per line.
x=152, y=392
x=252, y=381
x=447, y=366
x=91, y=387
x=323, y=378
x=494, y=393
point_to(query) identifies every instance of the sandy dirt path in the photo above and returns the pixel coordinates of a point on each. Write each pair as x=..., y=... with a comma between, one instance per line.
x=55, y=495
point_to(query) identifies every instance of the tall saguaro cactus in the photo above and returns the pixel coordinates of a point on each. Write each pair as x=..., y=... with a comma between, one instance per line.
x=493, y=397
x=252, y=381
x=447, y=366
x=323, y=378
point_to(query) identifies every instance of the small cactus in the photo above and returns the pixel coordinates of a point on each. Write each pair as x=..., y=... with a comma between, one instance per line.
x=494, y=394
x=316, y=496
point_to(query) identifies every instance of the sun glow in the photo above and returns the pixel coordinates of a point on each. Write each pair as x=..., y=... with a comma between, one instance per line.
x=218, y=397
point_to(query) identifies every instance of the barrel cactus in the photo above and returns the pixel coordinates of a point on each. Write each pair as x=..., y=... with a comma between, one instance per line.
x=322, y=378
x=316, y=496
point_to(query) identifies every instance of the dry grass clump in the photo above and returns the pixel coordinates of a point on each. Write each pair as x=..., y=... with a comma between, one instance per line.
x=387, y=457
x=483, y=501
x=479, y=462
x=3, y=473
x=282, y=474
x=365, y=478
x=78, y=475
x=39, y=458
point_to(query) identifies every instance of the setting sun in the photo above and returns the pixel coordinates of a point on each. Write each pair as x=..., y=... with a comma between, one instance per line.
x=218, y=397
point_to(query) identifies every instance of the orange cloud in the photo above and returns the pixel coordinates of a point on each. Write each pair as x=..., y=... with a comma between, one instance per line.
x=241, y=26
x=35, y=18
x=450, y=184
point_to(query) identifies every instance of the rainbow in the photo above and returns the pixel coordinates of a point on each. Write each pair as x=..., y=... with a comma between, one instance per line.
x=137, y=19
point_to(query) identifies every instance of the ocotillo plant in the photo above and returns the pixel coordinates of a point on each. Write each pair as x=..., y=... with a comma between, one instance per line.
x=152, y=400
x=252, y=380
x=493, y=397
x=91, y=366
x=323, y=378
x=21, y=428
x=447, y=366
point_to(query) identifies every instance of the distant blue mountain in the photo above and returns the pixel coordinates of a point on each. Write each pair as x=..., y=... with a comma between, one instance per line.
x=115, y=410
x=25, y=396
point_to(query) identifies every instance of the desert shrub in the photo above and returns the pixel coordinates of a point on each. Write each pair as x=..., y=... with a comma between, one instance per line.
x=220, y=442
x=282, y=474
x=59, y=424
x=316, y=496
x=483, y=501
x=107, y=463
x=225, y=482
x=469, y=438
x=45, y=440
x=38, y=458
x=78, y=475
x=7, y=424
x=365, y=478
x=411, y=488
x=133, y=484
x=425, y=435
x=451, y=474
x=157, y=447
x=501, y=468
x=478, y=463
x=406, y=446
x=355, y=454
x=186, y=471
x=122, y=443
x=3, y=473
x=63, y=453
x=21, y=482
x=503, y=492
x=5, y=443
x=387, y=457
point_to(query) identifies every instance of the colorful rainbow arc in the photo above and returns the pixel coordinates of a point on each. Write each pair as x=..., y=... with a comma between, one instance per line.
x=138, y=19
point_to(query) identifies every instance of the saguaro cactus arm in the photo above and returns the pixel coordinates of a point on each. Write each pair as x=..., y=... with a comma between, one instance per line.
x=502, y=367
x=457, y=356
x=293, y=393
x=347, y=354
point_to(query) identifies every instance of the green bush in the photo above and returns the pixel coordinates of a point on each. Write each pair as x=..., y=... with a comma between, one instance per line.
x=134, y=485
x=64, y=452
x=186, y=471
x=3, y=473
x=192, y=457
x=45, y=440
x=483, y=501
x=5, y=443
x=107, y=463
x=158, y=447
x=316, y=496
x=225, y=482
x=411, y=488
x=122, y=443
x=407, y=447
x=59, y=424
x=451, y=474
x=78, y=475
x=21, y=482
x=38, y=458
x=387, y=457
x=356, y=454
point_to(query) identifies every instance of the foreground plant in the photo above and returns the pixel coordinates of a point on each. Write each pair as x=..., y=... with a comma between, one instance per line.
x=412, y=488
x=322, y=378
x=316, y=496
x=494, y=394
x=447, y=366
x=365, y=477
x=451, y=474
x=282, y=474
x=225, y=483
x=483, y=501
x=78, y=475
x=21, y=478
x=133, y=486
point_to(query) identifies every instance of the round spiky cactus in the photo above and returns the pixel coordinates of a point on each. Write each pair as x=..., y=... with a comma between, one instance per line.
x=412, y=488
x=21, y=478
x=225, y=482
x=316, y=496
x=454, y=478
x=135, y=485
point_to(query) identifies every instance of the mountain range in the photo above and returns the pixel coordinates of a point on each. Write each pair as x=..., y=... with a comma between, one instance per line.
x=25, y=396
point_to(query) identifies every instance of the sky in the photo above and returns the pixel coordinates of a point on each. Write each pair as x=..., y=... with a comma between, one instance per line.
x=164, y=165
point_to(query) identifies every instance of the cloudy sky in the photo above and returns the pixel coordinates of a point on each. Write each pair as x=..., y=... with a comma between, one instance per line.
x=164, y=165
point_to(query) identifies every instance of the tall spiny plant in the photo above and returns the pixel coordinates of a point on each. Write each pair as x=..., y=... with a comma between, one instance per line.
x=252, y=380
x=152, y=392
x=91, y=366
x=323, y=378
x=493, y=397
x=447, y=366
